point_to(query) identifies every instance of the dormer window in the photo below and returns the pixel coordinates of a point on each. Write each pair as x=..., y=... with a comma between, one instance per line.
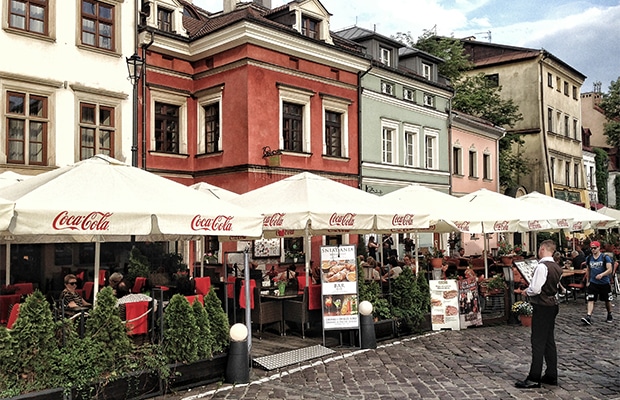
x=387, y=88
x=386, y=56
x=426, y=70
x=310, y=27
x=429, y=100
x=164, y=19
x=408, y=94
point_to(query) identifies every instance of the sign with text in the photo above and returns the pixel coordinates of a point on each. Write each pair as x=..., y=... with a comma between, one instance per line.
x=444, y=304
x=469, y=303
x=339, y=287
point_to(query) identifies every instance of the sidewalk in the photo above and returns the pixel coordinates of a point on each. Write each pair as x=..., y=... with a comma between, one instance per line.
x=477, y=363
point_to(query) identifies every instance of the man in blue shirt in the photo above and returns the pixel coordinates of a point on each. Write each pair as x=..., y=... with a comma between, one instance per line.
x=598, y=270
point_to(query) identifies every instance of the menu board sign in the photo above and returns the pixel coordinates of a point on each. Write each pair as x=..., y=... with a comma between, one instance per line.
x=444, y=304
x=339, y=287
x=469, y=303
x=526, y=268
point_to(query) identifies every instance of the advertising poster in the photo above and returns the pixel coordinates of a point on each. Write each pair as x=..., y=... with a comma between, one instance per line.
x=339, y=287
x=444, y=304
x=469, y=303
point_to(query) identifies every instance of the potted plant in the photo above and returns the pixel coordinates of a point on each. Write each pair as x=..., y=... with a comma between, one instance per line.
x=436, y=256
x=505, y=251
x=495, y=285
x=524, y=312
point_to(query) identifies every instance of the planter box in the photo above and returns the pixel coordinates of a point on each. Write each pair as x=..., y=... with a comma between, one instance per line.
x=384, y=329
x=199, y=373
x=49, y=394
x=136, y=386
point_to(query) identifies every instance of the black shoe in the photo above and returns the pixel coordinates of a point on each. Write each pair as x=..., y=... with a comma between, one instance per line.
x=547, y=380
x=586, y=320
x=527, y=384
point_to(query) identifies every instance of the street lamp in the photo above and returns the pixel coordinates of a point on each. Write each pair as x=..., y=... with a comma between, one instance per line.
x=134, y=67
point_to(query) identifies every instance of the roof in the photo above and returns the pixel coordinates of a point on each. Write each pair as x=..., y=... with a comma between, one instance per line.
x=355, y=33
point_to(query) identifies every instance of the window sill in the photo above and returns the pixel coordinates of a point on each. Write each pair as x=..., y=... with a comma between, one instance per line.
x=173, y=155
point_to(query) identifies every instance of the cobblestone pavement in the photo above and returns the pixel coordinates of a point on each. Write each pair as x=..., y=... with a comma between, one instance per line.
x=476, y=363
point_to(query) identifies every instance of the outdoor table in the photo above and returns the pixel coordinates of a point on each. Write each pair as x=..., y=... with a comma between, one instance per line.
x=277, y=297
x=6, y=300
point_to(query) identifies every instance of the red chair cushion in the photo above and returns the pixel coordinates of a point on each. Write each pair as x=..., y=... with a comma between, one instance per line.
x=13, y=316
x=230, y=287
x=138, y=285
x=88, y=290
x=198, y=297
x=314, y=297
x=203, y=285
x=137, y=311
x=24, y=288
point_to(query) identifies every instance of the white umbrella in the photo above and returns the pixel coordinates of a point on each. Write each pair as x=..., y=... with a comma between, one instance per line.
x=215, y=191
x=580, y=218
x=8, y=178
x=104, y=199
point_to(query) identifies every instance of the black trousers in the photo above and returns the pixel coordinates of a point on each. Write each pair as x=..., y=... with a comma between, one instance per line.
x=543, y=342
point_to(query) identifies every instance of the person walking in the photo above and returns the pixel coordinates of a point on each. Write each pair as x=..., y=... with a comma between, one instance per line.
x=541, y=293
x=598, y=285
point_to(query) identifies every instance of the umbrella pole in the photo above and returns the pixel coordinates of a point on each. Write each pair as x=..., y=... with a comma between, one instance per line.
x=308, y=252
x=486, y=261
x=8, y=264
x=97, y=267
x=248, y=311
x=417, y=265
x=202, y=256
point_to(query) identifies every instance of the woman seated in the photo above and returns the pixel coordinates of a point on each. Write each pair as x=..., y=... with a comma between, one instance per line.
x=69, y=297
x=118, y=285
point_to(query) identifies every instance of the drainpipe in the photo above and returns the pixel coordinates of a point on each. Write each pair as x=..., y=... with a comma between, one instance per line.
x=144, y=48
x=449, y=121
x=360, y=75
x=542, y=125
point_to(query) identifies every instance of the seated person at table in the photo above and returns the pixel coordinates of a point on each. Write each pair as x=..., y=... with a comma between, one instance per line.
x=463, y=261
x=118, y=285
x=578, y=259
x=394, y=270
x=408, y=263
x=288, y=275
x=316, y=274
x=69, y=297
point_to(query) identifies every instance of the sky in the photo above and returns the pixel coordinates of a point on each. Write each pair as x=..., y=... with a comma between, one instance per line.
x=584, y=34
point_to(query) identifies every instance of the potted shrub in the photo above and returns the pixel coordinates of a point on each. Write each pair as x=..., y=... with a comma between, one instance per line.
x=505, y=251
x=435, y=257
x=381, y=310
x=495, y=285
x=524, y=312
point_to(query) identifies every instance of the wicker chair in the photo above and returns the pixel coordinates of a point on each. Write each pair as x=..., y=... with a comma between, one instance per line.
x=265, y=312
x=304, y=311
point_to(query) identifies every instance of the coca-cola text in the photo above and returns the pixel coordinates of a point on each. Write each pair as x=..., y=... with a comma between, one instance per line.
x=94, y=221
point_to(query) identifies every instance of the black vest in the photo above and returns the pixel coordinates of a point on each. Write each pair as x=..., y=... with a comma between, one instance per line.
x=550, y=287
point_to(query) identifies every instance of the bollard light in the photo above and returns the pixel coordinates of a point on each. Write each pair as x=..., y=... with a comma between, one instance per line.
x=238, y=332
x=365, y=307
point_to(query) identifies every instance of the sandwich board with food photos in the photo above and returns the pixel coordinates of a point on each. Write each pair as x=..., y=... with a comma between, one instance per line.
x=469, y=303
x=339, y=287
x=444, y=304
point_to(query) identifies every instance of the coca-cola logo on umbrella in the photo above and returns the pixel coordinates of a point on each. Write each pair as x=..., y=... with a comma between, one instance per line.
x=534, y=225
x=273, y=220
x=501, y=226
x=462, y=225
x=347, y=219
x=402, y=220
x=94, y=221
x=562, y=223
x=221, y=223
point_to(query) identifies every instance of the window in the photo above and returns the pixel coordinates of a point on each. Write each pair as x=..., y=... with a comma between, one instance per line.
x=385, y=56
x=486, y=166
x=552, y=170
x=558, y=122
x=492, y=80
x=426, y=71
x=576, y=175
x=567, y=173
x=566, y=126
x=387, y=145
x=575, y=129
x=212, y=127
x=295, y=119
x=29, y=15
x=310, y=27
x=558, y=83
x=457, y=161
x=473, y=165
x=387, y=88
x=411, y=146
x=98, y=24
x=408, y=94
x=574, y=92
x=164, y=19
x=566, y=88
x=166, y=128
x=430, y=150
x=27, y=124
x=549, y=79
x=333, y=133
x=429, y=100
x=591, y=180
x=96, y=130
x=549, y=120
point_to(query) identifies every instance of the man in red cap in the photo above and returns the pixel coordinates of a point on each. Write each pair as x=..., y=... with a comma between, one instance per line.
x=598, y=270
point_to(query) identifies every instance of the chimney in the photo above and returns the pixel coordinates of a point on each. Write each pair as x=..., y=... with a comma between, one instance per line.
x=230, y=5
x=264, y=3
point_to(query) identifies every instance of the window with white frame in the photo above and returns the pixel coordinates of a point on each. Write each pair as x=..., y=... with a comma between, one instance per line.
x=164, y=19
x=457, y=160
x=27, y=124
x=429, y=100
x=210, y=121
x=386, y=55
x=310, y=27
x=431, y=150
x=169, y=123
x=389, y=133
x=294, y=119
x=473, y=164
x=336, y=126
x=427, y=70
x=387, y=88
x=97, y=129
x=486, y=167
x=409, y=94
x=411, y=145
